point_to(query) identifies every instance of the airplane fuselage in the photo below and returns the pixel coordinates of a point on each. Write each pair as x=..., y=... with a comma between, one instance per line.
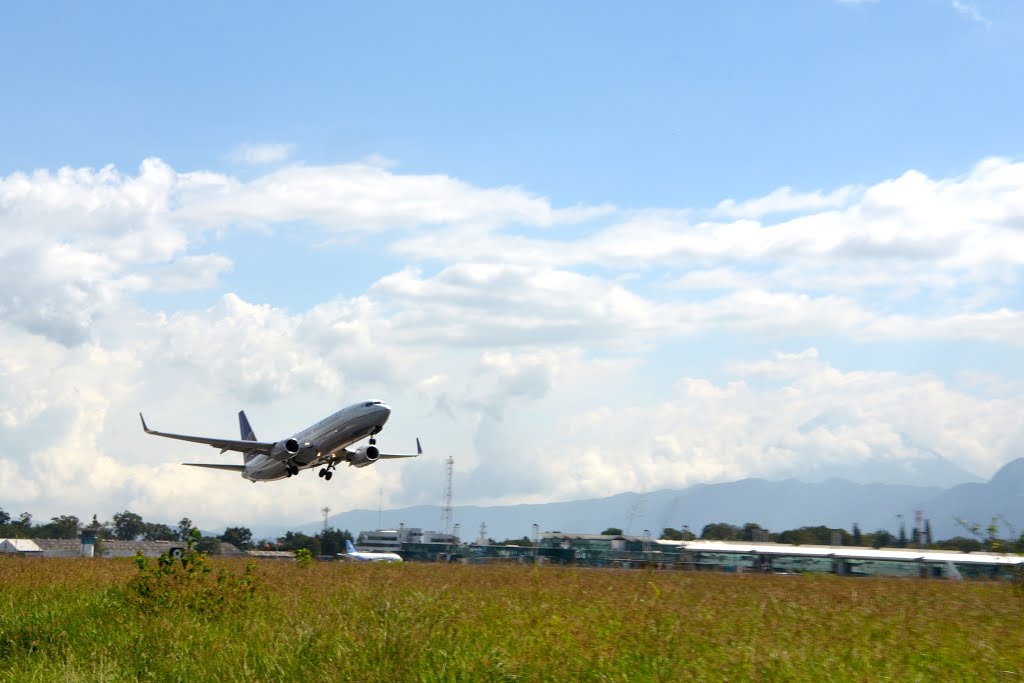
x=326, y=438
x=372, y=557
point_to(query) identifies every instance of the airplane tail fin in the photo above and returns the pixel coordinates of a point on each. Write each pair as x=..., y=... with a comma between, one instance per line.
x=245, y=427
x=349, y=548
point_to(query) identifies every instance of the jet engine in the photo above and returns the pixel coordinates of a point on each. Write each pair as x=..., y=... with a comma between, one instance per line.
x=286, y=449
x=363, y=456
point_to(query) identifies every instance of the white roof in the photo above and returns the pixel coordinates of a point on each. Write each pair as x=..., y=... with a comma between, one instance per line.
x=19, y=545
x=846, y=552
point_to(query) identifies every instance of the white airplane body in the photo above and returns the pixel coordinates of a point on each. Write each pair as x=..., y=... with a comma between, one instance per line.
x=366, y=556
x=323, y=445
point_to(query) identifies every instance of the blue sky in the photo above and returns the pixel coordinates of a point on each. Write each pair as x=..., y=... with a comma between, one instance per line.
x=595, y=102
x=582, y=247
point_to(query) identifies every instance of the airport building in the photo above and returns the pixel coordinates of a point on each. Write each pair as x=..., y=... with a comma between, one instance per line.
x=21, y=547
x=72, y=547
x=626, y=552
x=596, y=550
x=394, y=540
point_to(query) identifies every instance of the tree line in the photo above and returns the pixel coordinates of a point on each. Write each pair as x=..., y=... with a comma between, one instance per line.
x=129, y=526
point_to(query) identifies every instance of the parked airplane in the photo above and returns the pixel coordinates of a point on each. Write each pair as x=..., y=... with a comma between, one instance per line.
x=323, y=445
x=365, y=556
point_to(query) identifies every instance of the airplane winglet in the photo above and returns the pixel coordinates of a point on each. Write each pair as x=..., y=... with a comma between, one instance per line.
x=144, y=427
x=419, y=449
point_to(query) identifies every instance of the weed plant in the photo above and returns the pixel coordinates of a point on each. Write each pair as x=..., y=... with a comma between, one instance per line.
x=80, y=620
x=186, y=581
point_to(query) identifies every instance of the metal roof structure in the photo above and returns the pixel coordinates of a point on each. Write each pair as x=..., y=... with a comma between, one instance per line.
x=19, y=545
x=844, y=552
x=271, y=554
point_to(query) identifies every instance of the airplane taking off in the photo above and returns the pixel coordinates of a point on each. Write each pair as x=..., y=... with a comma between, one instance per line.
x=323, y=445
x=351, y=552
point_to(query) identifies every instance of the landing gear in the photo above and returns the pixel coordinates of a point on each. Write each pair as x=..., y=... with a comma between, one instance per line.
x=373, y=441
x=291, y=469
x=326, y=474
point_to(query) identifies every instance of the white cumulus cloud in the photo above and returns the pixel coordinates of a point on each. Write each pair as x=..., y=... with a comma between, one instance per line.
x=258, y=154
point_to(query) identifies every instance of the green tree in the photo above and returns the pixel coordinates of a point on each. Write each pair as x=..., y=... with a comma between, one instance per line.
x=882, y=539
x=24, y=523
x=209, y=545
x=238, y=536
x=332, y=541
x=102, y=531
x=753, y=532
x=128, y=526
x=612, y=531
x=63, y=526
x=961, y=543
x=184, y=528
x=989, y=535
x=720, y=531
x=670, y=534
x=5, y=518
x=813, y=535
x=159, y=532
x=293, y=540
x=858, y=538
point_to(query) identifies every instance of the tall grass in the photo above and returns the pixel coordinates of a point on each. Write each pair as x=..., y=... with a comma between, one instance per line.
x=78, y=620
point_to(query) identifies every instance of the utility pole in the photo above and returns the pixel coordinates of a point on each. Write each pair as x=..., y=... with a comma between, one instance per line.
x=446, y=511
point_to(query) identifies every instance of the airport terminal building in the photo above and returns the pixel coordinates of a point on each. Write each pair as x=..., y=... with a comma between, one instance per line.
x=626, y=552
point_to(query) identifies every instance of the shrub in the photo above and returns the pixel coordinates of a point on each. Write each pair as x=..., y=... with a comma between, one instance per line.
x=189, y=582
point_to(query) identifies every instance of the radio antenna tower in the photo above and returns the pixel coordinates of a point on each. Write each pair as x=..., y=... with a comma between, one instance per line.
x=326, y=511
x=446, y=511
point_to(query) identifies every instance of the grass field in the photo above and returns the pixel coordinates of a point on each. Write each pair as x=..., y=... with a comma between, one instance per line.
x=81, y=620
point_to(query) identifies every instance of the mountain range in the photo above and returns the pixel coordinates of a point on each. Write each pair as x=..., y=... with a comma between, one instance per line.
x=775, y=505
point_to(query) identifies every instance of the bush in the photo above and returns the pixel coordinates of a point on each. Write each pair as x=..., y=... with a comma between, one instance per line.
x=188, y=582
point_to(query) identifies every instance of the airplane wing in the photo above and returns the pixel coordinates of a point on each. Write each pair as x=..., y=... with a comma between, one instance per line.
x=392, y=456
x=229, y=468
x=222, y=444
x=345, y=455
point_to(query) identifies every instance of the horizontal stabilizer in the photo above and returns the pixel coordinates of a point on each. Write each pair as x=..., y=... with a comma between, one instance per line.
x=394, y=456
x=229, y=468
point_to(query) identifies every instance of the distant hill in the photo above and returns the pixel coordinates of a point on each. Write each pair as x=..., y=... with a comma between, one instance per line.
x=1002, y=495
x=777, y=506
